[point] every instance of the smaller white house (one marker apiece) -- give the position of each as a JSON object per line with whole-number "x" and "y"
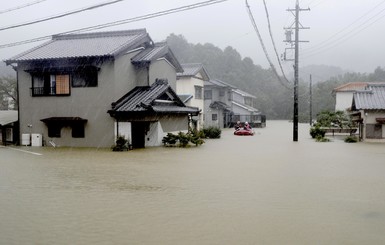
{"x": 190, "y": 88}
{"x": 344, "y": 94}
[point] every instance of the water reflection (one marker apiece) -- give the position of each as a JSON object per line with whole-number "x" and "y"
{"x": 263, "y": 189}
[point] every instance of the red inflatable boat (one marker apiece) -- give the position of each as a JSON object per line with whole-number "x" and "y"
{"x": 243, "y": 132}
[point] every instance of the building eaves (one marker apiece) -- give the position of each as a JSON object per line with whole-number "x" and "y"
{"x": 244, "y": 94}
{"x": 351, "y": 87}
{"x": 7, "y": 117}
{"x": 157, "y": 98}
{"x": 156, "y": 52}
{"x": 99, "y": 44}
{"x": 246, "y": 107}
{"x": 192, "y": 70}
{"x": 219, "y": 83}
{"x": 220, "y": 105}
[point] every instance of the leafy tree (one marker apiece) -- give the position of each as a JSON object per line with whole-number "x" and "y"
{"x": 8, "y": 91}
{"x": 378, "y": 75}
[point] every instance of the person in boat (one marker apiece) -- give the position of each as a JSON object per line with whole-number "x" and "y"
{"x": 247, "y": 126}
{"x": 238, "y": 126}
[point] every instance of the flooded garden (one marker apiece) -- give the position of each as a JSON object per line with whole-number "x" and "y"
{"x": 261, "y": 189}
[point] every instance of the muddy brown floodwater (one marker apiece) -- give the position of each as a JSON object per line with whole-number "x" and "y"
{"x": 264, "y": 189}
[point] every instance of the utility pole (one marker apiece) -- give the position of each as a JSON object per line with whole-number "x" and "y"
{"x": 311, "y": 101}
{"x": 297, "y": 26}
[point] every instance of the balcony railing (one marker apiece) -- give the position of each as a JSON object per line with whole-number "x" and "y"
{"x": 47, "y": 91}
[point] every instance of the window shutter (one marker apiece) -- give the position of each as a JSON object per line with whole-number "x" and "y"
{"x": 62, "y": 84}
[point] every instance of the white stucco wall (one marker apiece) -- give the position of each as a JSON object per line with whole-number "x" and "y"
{"x": 343, "y": 100}
{"x": 186, "y": 86}
{"x": 162, "y": 69}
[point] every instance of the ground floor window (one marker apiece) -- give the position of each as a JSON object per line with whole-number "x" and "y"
{"x": 214, "y": 117}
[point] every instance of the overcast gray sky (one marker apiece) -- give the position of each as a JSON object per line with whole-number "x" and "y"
{"x": 345, "y": 33}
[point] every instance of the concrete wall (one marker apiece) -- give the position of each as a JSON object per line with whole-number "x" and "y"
{"x": 161, "y": 69}
{"x": 186, "y": 86}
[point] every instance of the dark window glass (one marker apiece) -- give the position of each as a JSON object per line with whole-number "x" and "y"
{"x": 85, "y": 77}
{"x": 208, "y": 95}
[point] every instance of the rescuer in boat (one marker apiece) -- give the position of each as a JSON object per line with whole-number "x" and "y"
{"x": 247, "y": 126}
{"x": 238, "y": 126}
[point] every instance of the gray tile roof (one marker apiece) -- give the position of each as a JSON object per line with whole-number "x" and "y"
{"x": 373, "y": 98}
{"x": 192, "y": 69}
{"x": 157, "y": 98}
{"x": 99, "y": 44}
{"x": 157, "y": 51}
{"x": 219, "y": 83}
{"x": 246, "y": 107}
{"x": 220, "y": 105}
{"x": 244, "y": 94}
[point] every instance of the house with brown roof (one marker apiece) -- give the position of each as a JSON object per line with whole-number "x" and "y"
{"x": 368, "y": 107}
{"x": 344, "y": 94}
{"x": 77, "y": 89}
{"x": 190, "y": 88}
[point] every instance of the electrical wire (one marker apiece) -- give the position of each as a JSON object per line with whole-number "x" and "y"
{"x": 263, "y": 45}
{"x": 60, "y": 15}
{"x": 331, "y": 41}
{"x": 346, "y": 37}
{"x": 120, "y": 22}
{"x": 21, "y": 6}
{"x": 273, "y": 42}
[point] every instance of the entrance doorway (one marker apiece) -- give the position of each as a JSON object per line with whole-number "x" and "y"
{"x": 138, "y": 132}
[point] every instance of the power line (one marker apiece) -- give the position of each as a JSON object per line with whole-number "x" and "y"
{"x": 21, "y": 6}
{"x": 272, "y": 40}
{"x": 60, "y": 15}
{"x": 347, "y": 36}
{"x": 120, "y": 22}
{"x": 331, "y": 41}
{"x": 263, "y": 45}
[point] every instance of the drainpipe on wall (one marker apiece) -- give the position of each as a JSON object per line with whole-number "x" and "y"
{"x": 18, "y": 106}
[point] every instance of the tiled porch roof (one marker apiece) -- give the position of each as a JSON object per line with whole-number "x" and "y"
{"x": 157, "y": 98}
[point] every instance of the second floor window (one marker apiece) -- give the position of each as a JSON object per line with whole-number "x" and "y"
{"x": 208, "y": 94}
{"x": 229, "y": 95}
{"x": 59, "y": 81}
{"x": 50, "y": 84}
{"x": 198, "y": 92}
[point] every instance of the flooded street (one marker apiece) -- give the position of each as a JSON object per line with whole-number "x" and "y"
{"x": 263, "y": 189}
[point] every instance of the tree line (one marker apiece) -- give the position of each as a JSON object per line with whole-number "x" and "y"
{"x": 273, "y": 98}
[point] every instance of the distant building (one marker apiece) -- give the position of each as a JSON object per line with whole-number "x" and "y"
{"x": 190, "y": 88}
{"x": 368, "y": 110}
{"x": 225, "y": 104}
